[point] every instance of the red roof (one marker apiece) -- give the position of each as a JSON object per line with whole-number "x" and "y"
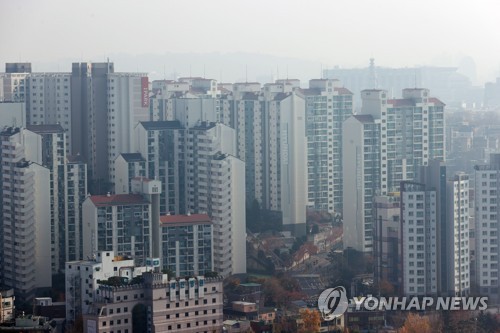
{"x": 173, "y": 219}
{"x": 118, "y": 199}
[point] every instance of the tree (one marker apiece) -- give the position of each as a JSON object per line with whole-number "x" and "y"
{"x": 169, "y": 272}
{"x": 386, "y": 288}
{"x": 311, "y": 320}
{"x": 417, "y": 324}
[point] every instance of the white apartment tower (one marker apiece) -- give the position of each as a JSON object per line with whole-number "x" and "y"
{"x": 419, "y": 240}
{"x": 68, "y": 189}
{"x": 328, "y": 105}
{"x": 487, "y": 201}
{"x": 162, "y": 144}
{"x": 25, "y": 229}
{"x": 361, "y": 180}
{"x": 457, "y": 234}
{"x": 128, "y": 104}
{"x": 48, "y": 101}
{"x": 218, "y": 189}
{"x": 411, "y": 133}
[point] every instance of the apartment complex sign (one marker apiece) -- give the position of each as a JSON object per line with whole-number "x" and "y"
{"x": 145, "y": 91}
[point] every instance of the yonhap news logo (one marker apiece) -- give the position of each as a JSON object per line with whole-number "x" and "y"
{"x": 332, "y": 303}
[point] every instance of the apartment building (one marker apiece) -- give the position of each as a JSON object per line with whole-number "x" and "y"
{"x": 187, "y": 244}
{"x": 411, "y": 132}
{"x": 68, "y": 189}
{"x": 25, "y": 227}
{"x": 361, "y": 173}
{"x": 128, "y": 104}
{"x": 328, "y": 105}
{"x": 48, "y": 101}
{"x": 121, "y": 223}
{"x": 419, "y": 240}
{"x": 487, "y": 180}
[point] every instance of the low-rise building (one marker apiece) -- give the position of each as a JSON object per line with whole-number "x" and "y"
{"x": 158, "y": 305}
{"x": 83, "y": 277}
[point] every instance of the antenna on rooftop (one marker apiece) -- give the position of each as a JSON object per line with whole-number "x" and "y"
{"x": 373, "y": 74}
{"x": 246, "y": 73}
{"x": 321, "y": 71}
{"x": 204, "y": 74}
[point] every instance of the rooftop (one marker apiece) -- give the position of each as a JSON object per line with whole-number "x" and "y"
{"x": 158, "y": 125}
{"x": 132, "y": 157}
{"x": 45, "y": 129}
{"x": 364, "y": 118}
{"x": 118, "y": 199}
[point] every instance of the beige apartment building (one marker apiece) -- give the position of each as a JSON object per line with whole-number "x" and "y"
{"x": 158, "y": 305}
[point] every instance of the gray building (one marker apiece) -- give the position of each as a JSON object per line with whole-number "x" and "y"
{"x": 89, "y": 118}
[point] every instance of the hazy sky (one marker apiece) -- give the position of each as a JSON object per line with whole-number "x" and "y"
{"x": 333, "y": 32}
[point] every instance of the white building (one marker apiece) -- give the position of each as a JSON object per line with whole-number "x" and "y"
{"x": 68, "y": 189}
{"x": 48, "y": 101}
{"x": 25, "y": 225}
{"x": 328, "y": 105}
{"x": 128, "y": 104}
{"x": 361, "y": 180}
{"x": 83, "y": 276}
{"x": 411, "y": 132}
{"x": 487, "y": 200}
{"x": 128, "y": 166}
{"x": 216, "y": 186}
{"x": 457, "y": 233}
{"x": 419, "y": 239}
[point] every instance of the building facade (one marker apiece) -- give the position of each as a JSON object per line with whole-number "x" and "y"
{"x": 160, "y": 304}
{"x": 187, "y": 244}
{"x": 328, "y": 105}
{"x": 84, "y": 276}
{"x": 487, "y": 180}
{"x": 419, "y": 239}
{"x": 25, "y": 227}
